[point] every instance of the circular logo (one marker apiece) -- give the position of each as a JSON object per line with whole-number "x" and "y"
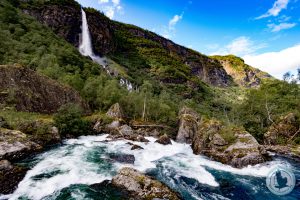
{"x": 281, "y": 181}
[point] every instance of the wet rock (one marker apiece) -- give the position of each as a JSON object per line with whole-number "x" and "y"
{"x": 106, "y": 190}
{"x": 134, "y": 147}
{"x": 164, "y": 139}
{"x": 10, "y": 176}
{"x": 15, "y": 145}
{"x": 122, "y": 158}
{"x": 141, "y": 186}
{"x": 240, "y": 148}
{"x": 125, "y": 130}
{"x": 115, "y": 111}
{"x": 188, "y": 125}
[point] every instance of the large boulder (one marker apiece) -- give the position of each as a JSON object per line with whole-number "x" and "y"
{"x": 10, "y": 176}
{"x": 188, "y": 125}
{"x": 164, "y": 139}
{"x": 141, "y": 186}
{"x": 125, "y": 130}
{"x": 15, "y": 145}
{"x": 122, "y": 158}
{"x": 285, "y": 130}
{"x": 115, "y": 111}
{"x": 229, "y": 145}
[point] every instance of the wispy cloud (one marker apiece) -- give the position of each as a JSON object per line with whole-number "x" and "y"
{"x": 278, "y": 6}
{"x": 240, "y": 46}
{"x": 276, "y": 63}
{"x": 169, "y": 31}
{"x": 110, "y": 7}
{"x": 281, "y": 26}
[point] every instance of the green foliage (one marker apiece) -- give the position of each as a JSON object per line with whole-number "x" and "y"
{"x": 267, "y": 104}
{"x": 69, "y": 121}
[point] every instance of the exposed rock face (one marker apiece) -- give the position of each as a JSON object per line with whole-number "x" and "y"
{"x": 125, "y": 130}
{"x": 65, "y": 21}
{"x": 115, "y": 111}
{"x": 286, "y": 129}
{"x": 32, "y": 92}
{"x": 10, "y": 176}
{"x": 15, "y": 145}
{"x": 228, "y": 145}
{"x": 188, "y": 125}
{"x": 164, "y": 139}
{"x": 141, "y": 186}
{"x": 243, "y": 74}
{"x": 240, "y": 150}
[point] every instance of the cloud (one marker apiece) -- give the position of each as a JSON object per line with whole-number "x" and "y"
{"x": 174, "y": 21}
{"x": 281, "y": 26}
{"x": 169, "y": 31}
{"x": 276, "y": 63}
{"x": 240, "y": 46}
{"x": 278, "y": 6}
{"x": 110, "y": 7}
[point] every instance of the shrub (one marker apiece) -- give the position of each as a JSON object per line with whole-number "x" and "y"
{"x": 69, "y": 121}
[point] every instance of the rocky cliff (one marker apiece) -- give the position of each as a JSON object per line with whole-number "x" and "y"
{"x": 26, "y": 90}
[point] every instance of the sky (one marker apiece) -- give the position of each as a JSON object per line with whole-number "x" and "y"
{"x": 265, "y": 33}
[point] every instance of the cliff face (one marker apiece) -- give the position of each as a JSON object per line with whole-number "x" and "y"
{"x": 243, "y": 74}
{"x": 28, "y": 91}
{"x": 65, "y": 20}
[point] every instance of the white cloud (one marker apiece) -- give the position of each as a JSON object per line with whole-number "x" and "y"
{"x": 169, "y": 31}
{"x": 276, "y": 63}
{"x": 174, "y": 21}
{"x": 110, "y": 7}
{"x": 278, "y": 6}
{"x": 281, "y": 26}
{"x": 240, "y": 46}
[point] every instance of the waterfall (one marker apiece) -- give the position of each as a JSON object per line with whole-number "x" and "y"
{"x": 85, "y": 47}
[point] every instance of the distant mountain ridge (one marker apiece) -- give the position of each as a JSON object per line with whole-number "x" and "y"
{"x": 141, "y": 52}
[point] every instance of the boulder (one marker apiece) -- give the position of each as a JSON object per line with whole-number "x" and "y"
{"x": 164, "y": 139}
{"x": 115, "y": 112}
{"x": 286, "y": 129}
{"x": 229, "y": 145}
{"x": 188, "y": 125}
{"x": 134, "y": 147}
{"x": 125, "y": 130}
{"x": 15, "y": 145}
{"x": 141, "y": 186}
{"x": 122, "y": 158}
{"x": 10, "y": 176}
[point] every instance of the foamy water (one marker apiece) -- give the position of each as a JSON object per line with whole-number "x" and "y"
{"x": 83, "y": 161}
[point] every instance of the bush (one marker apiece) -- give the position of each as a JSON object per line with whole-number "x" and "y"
{"x": 69, "y": 121}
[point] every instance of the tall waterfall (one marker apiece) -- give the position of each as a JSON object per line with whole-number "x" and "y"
{"x": 85, "y": 47}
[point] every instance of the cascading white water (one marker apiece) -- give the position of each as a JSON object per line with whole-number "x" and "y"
{"x": 85, "y": 47}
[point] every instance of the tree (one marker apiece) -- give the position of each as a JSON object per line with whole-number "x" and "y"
{"x": 68, "y": 121}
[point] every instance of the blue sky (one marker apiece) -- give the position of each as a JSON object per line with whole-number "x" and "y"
{"x": 266, "y": 33}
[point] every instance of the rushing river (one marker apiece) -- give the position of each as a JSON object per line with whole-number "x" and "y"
{"x": 66, "y": 172}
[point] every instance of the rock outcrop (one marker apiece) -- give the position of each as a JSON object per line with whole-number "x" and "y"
{"x": 29, "y": 91}
{"x": 243, "y": 74}
{"x": 188, "y": 125}
{"x": 287, "y": 129}
{"x": 10, "y": 176}
{"x": 229, "y": 145}
{"x": 115, "y": 111}
{"x": 15, "y": 145}
{"x": 141, "y": 186}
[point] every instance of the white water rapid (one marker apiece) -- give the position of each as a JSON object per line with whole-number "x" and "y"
{"x": 84, "y": 161}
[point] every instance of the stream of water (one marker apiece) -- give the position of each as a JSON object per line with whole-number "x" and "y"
{"x": 67, "y": 171}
